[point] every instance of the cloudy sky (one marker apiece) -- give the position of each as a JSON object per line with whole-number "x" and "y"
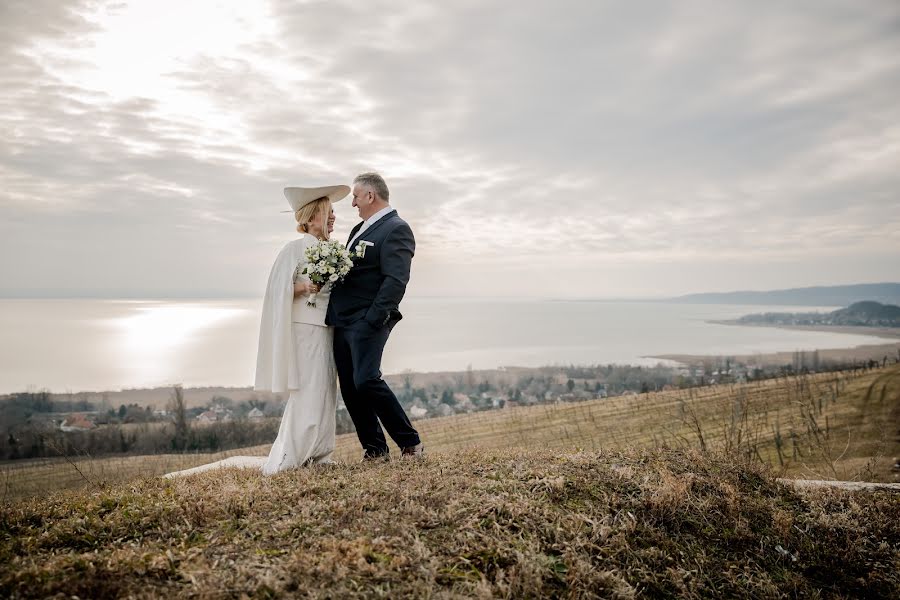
{"x": 575, "y": 149}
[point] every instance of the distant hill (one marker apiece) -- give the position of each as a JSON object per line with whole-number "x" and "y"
{"x": 837, "y": 295}
{"x": 859, "y": 314}
{"x": 868, "y": 313}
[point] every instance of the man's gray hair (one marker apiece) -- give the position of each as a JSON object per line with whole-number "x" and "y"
{"x": 374, "y": 182}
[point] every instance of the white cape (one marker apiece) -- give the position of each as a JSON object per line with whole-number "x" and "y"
{"x": 275, "y": 355}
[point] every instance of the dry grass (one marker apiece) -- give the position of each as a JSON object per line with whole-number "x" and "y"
{"x": 25, "y": 478}
{"x": 515, "y": 524}
{"x": 830, "y": 425}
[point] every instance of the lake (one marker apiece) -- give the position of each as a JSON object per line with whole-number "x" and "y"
{"x": 93, "y": 345}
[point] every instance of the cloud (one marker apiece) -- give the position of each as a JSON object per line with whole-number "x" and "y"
{"x": 516, "y": 137}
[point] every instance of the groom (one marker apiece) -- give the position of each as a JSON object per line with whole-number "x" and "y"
{"x": 363, "y": 310}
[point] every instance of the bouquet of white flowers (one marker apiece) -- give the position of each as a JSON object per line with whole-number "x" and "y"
{"x": 327, "y": 262}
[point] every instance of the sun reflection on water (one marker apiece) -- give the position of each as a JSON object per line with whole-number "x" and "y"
{"x": 152, "y": 341}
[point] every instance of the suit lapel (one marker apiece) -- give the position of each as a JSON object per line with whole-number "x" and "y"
{"x": 353, "y": 232}
{"x": 378, "y": 224}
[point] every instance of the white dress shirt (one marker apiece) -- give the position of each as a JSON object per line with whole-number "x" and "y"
{"x": 369, "y": 222}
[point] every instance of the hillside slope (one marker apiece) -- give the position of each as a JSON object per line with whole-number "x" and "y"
{"x": 828, "y": 425}
{"x": 502, "y": 523}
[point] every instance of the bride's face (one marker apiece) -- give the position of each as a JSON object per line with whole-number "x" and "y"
{"x": 317, "y": 228}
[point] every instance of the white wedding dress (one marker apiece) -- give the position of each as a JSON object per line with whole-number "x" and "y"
{"x": 296, "y": 355}
{"x": 307, "y": 427}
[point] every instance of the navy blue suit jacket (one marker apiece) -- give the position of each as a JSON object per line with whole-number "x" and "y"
{"x": 373, "y": 288}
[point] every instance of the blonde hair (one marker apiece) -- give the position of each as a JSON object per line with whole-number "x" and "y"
{"x": 309, "y": 211}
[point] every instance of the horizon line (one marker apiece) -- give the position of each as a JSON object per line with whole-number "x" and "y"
{"x": 35, "y": 295}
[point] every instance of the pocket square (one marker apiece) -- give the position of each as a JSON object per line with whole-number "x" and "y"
{"x": 360, "y": 249}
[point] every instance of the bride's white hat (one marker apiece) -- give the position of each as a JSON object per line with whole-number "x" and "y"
{"x": 298, "y": 197}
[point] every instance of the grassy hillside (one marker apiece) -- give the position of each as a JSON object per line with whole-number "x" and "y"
{"x": 511, "y": 523}
{"x": 832, "y": 425}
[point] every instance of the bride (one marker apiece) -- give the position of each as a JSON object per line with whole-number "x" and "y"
{"x": 295, "y": 347}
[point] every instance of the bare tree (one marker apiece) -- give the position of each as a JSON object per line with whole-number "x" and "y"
{"x": 176, "y": 405}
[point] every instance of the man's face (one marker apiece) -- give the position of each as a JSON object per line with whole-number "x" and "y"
{"x": 363, "y": 199}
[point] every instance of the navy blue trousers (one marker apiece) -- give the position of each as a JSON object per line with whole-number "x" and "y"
{"x": 358, "y": 349}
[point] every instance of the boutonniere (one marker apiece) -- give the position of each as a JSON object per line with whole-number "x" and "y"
{"x": 360, "y": 250}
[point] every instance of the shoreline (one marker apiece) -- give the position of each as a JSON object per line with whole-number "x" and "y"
{"x": 882, "y": 332}
{"x": 861, "y": 353}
